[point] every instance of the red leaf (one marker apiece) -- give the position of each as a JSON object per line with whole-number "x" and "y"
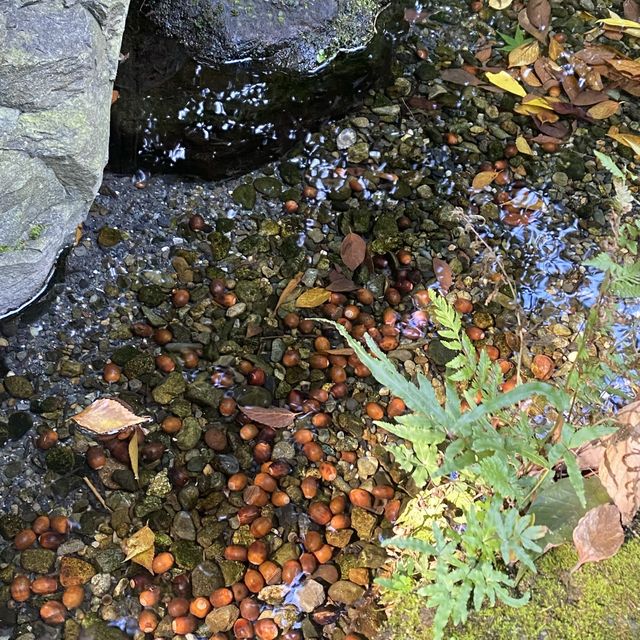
{"x": 353, "y": 251}
{"x": 271, "y": 416}
{"x": 444, "y": 274}
{"x": 341, "y": 284}
{"x": 598, "y": 535}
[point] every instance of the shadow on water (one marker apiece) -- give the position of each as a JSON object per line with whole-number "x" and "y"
{"x": 174, "y": 114}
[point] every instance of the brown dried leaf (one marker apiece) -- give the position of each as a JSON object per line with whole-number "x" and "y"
{"x": 589, "y": 97}
{"x": 598, "y": 535}
{"x": 140, "y": 548}
{"x": 529, "y": 77}
{"x": 590, "y": 455}
{"x": 460, "y": 76}
{"x": 619, "y": 470}
{"x": 342, "y": 284}
{"x": 555, "y": 49}
{"x": 353, "y": 250}
{"x": 539, "y": 14}
{"x": 595, "y": 54}
{"x": 627, "y": 67}
{"x": 484, "y": 53}
{"x": 529, "y": 27}
{"x": 444, "y": 274}
{"x": 133, "y": 455}
{"x": 524, "y": 55}
{"x": 631, "y": 10}
{"x": 107, "y": 416}
{"x": 627, "y": 139}
{"x": 571, "y": 86}
{"x": 542, "y": 138}
{"x": 346, "y": 351}
{"x": 604, "y": 110}
{"x": 313, "y": 298}
{"x": 271, "y": 416}
{"x": 289, "y": 289}
{"x": 483, "y": 179}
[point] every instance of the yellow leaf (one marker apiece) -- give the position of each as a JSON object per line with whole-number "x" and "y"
{"x": 523, "y": 146}
{"x": 140, "y": 548}
{"x": 483, "y": 179}
{"x": 627, "y": 140}
{"x": 133, "y": 454}
{"x": 524, "y": 55}
{"x": 544, "y": 115}
{"x": 313, "y": 298}
{"x": 623, "y": 23}
{"x": 604, "y": 110}
{"x": 107, "y": 416}
{"x": 543, "y": 103}
{"x": 503, "y": 80}
{"x": 555, "y": 49}
{"x": 500, "y": 4}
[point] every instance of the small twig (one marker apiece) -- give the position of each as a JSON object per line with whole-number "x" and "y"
{"x": 96, "y": 493}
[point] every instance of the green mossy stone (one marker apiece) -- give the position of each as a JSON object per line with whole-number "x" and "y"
{"x": 151, "y": 295}
{"x": 124, "y": 354}
{"x": 290, "y": 173}
{"x": 252, "y": 245}
{"x": 38, "y": 560}
{"x": 109, "y": 237}
{"x": 232, "y": 572}
{"x": 18, "y": 387}
{"x": 269, "y": 187}
{"x": 204, "y": 395}
{"x": 245, "y": 196}
{"x": 173, "y": 385}
{"x": 189, "y": 435}
{"x": 187, "y": 554}
{"x": 10, "y": 525}
{"x": 60, "y": 459}
{"x": 19, "y": 423}
{"x": 220, "y": 245}
{"x": 108, "y": 560}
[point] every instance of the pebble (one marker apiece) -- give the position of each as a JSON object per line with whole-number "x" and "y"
{"x": 309, "y": 596}
{"x": 345, "y": 592}
{"x": 236, "y": 310}
{"x": 346, "y": 138}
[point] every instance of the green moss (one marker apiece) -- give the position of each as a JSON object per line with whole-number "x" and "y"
{"x": 36, "y": 231}
{"x": 598, "y": 602}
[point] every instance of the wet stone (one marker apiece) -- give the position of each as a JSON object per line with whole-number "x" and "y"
{"x": 37, "y": 560}
{"x": 173, "y": 386}
{"x": 151, "y": 295}
{"x": 345, "y": 592}
{"x": 189, "y": 436}
{"x": 254, "y": 396}
{"x": 74, "y": 571}
{"x": 363, "y": 522}
{"x": 187, "y": 555}
{"x": 125, "y": 479}
{"x": 339, "y": 538}
{"x": 60, "y": 459}
{"x": 206, "y": 395}
{"x": 222, "y": 619}
{"x": 269, "y": 187}
{"x": 183, "y": 527}
{"x": 220, "y": 245}
{"x": 10, "y": 525}
{"x": 232, "y": 571}
{"x": 18, "y": 387}
{"x": 19, "y": 423}
{"x": 147, "y": 506}
{"x": 160, "y": 485}
{"x": 346, "y": 138}
{"x": 283, "y": 450}
{"x": 440, "y": 354}
{"x": 108, "y": 560}
{"x": 205, "y": 578}
{"x": 139, "y": 365}
{"x": 309, "y": 596}
{"x": 245, "y": 196}
{"x": 109, "y": 237}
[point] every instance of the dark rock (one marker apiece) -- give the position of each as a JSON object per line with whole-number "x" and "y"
{"x": 60, "y": 459}
{"x": 19, "y": 423}
{"x": 109, "y": 237}
{"x": 37, "y": 560}
{"x": 245, "y": 196}
{"x": 151, "y": 295}
{"x": 439, "y": 353}
{"x": 18, "y": 387}
{"x": 139, "y": 365}
{"x": 205, "y": 578}
{"x": 188, "y": 554}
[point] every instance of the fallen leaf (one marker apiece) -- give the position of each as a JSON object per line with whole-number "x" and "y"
{"x": 346, "y": 351}
{"x": 115, "y": 94}
{"x": 460, "y": 76}
{"x": 339, "y": 282}
{"x": 313, "y": 298}
{"x": 558, "y": 508}
{"x": 589, "y": 97}
{"x": 411, "y": 15}
{"x": 604, "y": 110}
{"x": 529, "y": 76}
{"x": 555, "y": 49}
{"x": 529, "y": 27}
{"x": 544, "y": 115}
{"x": 353, "y": 250}
{"x": 140, "y": 548}
{"x": 631, "y": 10}
{"x": 595, "y": 54}
{"x": 500, "y": 4}
{"x": 483, "y": 179}
{"x": 628, "y": 67}
{"x": 619, "y": 470}
{"x": 523, "y": 146}
{"x": 107, "y": 416}
{"x": 503, "y": 80}
{"x": 539, "y": 14}
{"x": 598, "y": 535}
{"x": 623, "y": 23}
{"x": 627, "y": 140}
{"x": 484, "y": 53}
{"x": 542, "y": 138}
{"x": 289, "y": 289}
{"x": 524, "y": 55}
{"x": 590, "y": 455}
{"x": 271, "y": 416}
{"x": 133, "y": 455}
{"x": 537, "y": 101}
{"x": 444, "y": 274}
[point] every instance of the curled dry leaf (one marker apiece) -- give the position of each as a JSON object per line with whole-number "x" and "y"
{"x": 619, "y": 470}
{"x": 353, "y": 250}
{"x": 108, "y": 416}
{"x": 530, "y": 28}
{"x": 500, "y": 4}
{"x": 313, "y": 298}
{"x": 483, "y": 179}
{"x": 523, "y": 146}
{"x": 627, "y": 139}
{"x": 289, "y": 289}
{"x": 140, "y": 548}
{"x": 271, "y": 416}
{"x": 444, "y": 274}
{"x": 524, "y": 55}
{"x": 598, "y": 535}
{"x": 604, "y": 110}
{"x": 555, "y": 49}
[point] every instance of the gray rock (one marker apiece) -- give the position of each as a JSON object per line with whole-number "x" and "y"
{"x": 57, "y": 65}
{"x": 295, "y": 35}
{"x": 345, "y": 592}
{"x": 222, "y": 619}
{"x": 183, "y": 526}
{"x": 205, "y": 578}
{"x": 309, "y": 596}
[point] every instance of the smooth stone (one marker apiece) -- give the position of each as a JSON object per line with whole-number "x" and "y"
{"x": 345, "y": 592}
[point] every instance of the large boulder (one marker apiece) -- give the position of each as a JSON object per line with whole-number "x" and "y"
{"x": 297, "y": 35}
{"x": 58, "y": 60}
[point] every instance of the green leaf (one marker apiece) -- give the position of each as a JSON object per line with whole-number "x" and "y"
{"x": 608, "y": 163}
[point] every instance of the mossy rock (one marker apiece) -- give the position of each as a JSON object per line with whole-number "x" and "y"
{"x": 18, "y": 387}
{"x": 187, "y": 554}
{"x": 245, "y": 196}
{"x": 151, "y": 295}
{"x": 597, "y": 602}
{"x": 37, "y": 560}
{"x": 60, "y": 459}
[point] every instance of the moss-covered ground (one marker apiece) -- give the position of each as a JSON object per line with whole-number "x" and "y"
{"x": 598, "y": 602}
